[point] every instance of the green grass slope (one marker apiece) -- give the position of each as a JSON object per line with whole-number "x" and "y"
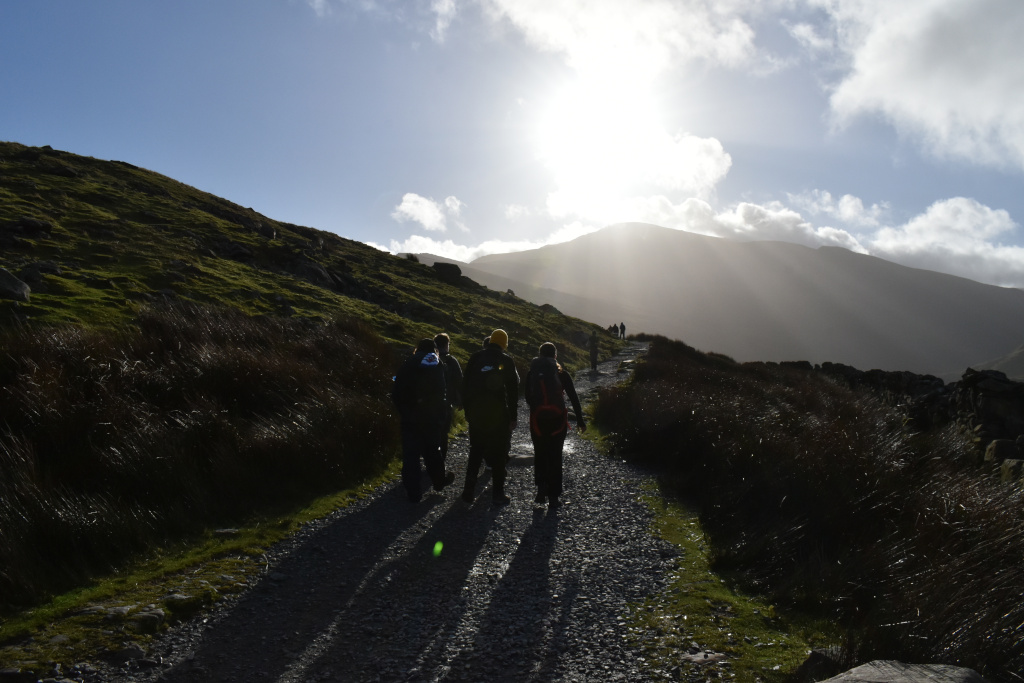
{"x": 97, "y": 240}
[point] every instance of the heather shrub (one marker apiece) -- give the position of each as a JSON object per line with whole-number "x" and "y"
{"x": 111, "y": 442}
{"x": 817, "y": 495}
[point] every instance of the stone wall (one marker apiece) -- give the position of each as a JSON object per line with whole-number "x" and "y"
{"x": 985, "y": 403}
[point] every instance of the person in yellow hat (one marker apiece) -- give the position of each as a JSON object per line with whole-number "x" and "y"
{"x": 490, "y": 396}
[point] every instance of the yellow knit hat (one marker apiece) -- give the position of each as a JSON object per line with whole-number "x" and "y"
{"x": 500, "y": 337}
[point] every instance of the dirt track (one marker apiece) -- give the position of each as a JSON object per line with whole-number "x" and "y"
{"x": 517, "y": 592}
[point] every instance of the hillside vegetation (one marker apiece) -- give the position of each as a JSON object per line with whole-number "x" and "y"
{"x": 182, "y": 362}
{"x": 818, "y": 496}
{"x": 97, "y": 240}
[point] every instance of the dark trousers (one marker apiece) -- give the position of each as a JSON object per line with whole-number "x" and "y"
{"x": 421, "y": 442}
{"x": 547, "y": 463}
{"x": 491, "y": 446}
{"x": 593, "y": 360}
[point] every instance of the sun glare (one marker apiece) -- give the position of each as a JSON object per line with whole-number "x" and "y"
{"x": 599, "y": 137}
{"x": 606, "y": 143}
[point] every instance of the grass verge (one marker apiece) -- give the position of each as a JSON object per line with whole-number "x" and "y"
{"x": 703, "y": 625}
{"x": 703, "y": 612}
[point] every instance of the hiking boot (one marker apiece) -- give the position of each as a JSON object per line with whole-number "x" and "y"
{"x": 449, "y": 477}
{"x": 539, "y": 498}
{"x": 554, "y": 503}
{"x": 501, "y": 499}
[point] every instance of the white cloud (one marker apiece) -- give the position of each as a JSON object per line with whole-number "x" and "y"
{"x": 958, "y": 236}
{"x": 515, "y": 212}
{"x": 321, "y": 7}
{"x": 640, "y": 36}
{"x": 808, "y": 37}
{"x": 422, "y": 244}
{"x": 444, "y": 12}
{"x": 430, "y": 214}
{"x": 948, "y": 73}
{"x": 848, "y": 209}
{"x": 745, "y": 221}
{"x": 453, "y": 205}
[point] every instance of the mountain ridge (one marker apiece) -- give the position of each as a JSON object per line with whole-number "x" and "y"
{"x": 773, "y": 301}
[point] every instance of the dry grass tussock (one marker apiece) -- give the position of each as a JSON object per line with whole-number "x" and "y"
{"x": 111, "y": 442}
{"x": 817, "y": 495}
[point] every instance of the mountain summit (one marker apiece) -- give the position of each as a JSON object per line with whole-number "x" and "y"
{"x": 770, "y": 301}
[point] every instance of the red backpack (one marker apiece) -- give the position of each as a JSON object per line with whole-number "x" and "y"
{"x": 548, "y": 414}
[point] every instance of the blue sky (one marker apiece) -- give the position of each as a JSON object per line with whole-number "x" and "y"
{"x": 465, "y": 127}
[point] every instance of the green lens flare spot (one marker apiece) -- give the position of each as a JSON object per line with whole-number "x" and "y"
{"x": 437, "y": 548}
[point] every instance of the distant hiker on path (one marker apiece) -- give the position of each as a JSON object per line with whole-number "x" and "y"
{"x": 622, "y": 330}
{"x": 547, "y": 384}
{"x": 595, "y": 346}
{"x": 490, "y": 393}
{"x": 452, "y": 380}
{"x": 420, "y": 396}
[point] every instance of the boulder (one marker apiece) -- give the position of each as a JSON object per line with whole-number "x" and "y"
{"x": 128, "y": 652}
{"x": 311, "y": 271}
{"x": 148, "y": 621}
{"x": 580, "y": 338}
{"x": 887, "y": 671}
{"x": 33, "y": 226}
{"x": 13, "y": 288}
{"x": 820, "y": 664}
{"x": 1011, "y": 470}
{"x": 448, "y": 273}
{"x": 999, "y": 450}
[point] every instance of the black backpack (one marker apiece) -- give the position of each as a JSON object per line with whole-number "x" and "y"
{"x": 548, "y": 414}
{"x": 485, "y": 379}
{"x": 420, "y": 389}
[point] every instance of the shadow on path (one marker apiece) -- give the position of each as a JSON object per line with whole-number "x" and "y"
{"x": 525, "y": 649}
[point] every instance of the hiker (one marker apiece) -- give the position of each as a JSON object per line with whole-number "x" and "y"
{"x": 622, "y": 330}
{"x": 453, "y": 383}
{"x": 419, "y": 394}
{"x": 595, "y": 345}
{"x": 547, "y": 385}
{"x": 490, "y": 394}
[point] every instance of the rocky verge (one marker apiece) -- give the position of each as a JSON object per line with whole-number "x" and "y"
{"x": 985, "y": 403}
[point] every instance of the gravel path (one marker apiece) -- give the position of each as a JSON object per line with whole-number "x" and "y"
{"x": 518, "y": 592}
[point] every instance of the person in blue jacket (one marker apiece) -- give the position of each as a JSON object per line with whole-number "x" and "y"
{"x": 419, "y": 393}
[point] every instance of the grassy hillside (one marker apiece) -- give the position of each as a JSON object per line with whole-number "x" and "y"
{"x": 819, "y": 496}
{"x": 97, "y": 240}
{"x": 183, "y": 363}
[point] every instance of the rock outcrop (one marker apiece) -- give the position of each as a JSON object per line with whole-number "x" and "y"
{"x": 885, "y": 671}
{"x": 985, "y": 403}
{"x": 13, "y": 288}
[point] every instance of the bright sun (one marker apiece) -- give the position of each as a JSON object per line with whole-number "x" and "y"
{"x": 605, "y": 143}
{"x": 597, "y": 136}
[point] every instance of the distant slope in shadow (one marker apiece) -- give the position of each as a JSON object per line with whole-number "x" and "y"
{"x": 767, "y": 300}
{"x": 1012, "y": 364}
